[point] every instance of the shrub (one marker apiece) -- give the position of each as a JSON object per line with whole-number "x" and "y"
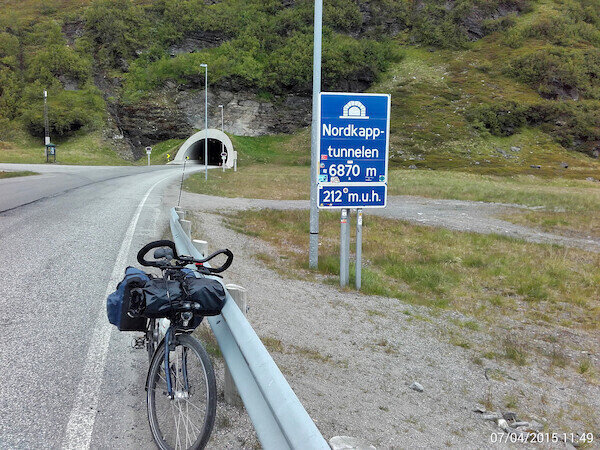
{"x": 573, "y": 125}
{"x": 503, "y": 119}
{"x": 553, "y": 69}
{"x": 117, "y": 28}
{"x": 68, "y": 110}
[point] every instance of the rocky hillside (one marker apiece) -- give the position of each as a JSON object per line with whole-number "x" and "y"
{"x": 470, "y": 79}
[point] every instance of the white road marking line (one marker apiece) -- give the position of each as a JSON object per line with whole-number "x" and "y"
{"x": 83, "y": 415}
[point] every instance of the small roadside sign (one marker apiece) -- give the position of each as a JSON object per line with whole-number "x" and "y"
{"x": 359, "y": 195}
{"x": 353, "y": 150}
{"x": 148, "y": 150}
{"x": 223, "y": 155}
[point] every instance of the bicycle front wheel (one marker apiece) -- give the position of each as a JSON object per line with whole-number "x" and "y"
{"x": 186, "y": 420}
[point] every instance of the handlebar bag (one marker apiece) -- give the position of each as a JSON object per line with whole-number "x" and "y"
{"x": 208, "y": 293}
{"x": 119, "y": 302}
{"x": 158, "y": 294}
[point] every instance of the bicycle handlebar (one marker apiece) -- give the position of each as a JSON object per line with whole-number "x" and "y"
{"x": 155, "y": 244}
{"x": 184, "y": 259}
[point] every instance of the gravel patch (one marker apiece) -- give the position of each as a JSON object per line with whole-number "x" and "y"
{"x": 459, "y": 215}
{"x": 352, "y": 359}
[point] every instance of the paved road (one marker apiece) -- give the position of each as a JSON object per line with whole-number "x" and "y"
{"x": 68, "y": 378}
{"x": 55, "y": 180}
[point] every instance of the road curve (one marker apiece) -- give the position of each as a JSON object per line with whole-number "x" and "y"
{"x": 63, "y": 365}
{"x": 55, "y": 180}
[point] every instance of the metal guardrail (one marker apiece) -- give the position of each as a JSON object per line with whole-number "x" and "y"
{"x": 280, "y": 420}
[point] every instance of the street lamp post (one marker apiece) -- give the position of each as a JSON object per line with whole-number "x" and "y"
{"x": 205, "y": 120}
{"x": 222, "y": 145}
{"x": 46, "y": 123}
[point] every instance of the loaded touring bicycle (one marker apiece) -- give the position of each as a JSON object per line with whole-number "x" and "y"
{"x": 180, "y": 385}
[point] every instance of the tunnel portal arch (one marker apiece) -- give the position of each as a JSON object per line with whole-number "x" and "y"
{"x": 217, "y": 142}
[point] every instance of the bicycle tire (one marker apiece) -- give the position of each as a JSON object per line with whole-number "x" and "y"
{"x": 168, "y": 429}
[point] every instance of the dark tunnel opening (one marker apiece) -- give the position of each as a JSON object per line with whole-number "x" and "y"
{"x": 215, "y": 147}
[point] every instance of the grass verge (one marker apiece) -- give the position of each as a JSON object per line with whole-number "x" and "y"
{"x": 255, "y": 181}
{"x": 82, "y": 149}
{"x": 482, "y": 276}
{"x": 16, "y": 174}
{"x": 584, "y": 223}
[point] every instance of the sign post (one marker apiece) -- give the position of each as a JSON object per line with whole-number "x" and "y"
{"x": 358, "y": 268}
{"x": 313, "y": 246}
{"x": 344, "y": 247}
{"x": 223, "y": 158}
{"x": 353, "y": 160}
{"x": 148, "y": 152}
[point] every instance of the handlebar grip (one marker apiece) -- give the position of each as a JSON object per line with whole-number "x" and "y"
{"x": 156, "y": 244}
{"x": 225, "y": 265}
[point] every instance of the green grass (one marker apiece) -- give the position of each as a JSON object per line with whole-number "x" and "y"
{"x": 255, "y": 181}
{"x": 160, "y": 152}
{"x": 16, "y": 174}
{"x": 274, "y": 167}
{"x": 550, "y": 193}
{"x": 82, "y": 149}
{"x": 445, "y": 269}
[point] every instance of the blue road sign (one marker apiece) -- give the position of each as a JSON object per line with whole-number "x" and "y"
{"x": 357, "y": 195}
{"x": 354, "y": 142}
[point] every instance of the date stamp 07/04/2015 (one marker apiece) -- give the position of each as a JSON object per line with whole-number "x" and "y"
{"x": 541, "y": 438}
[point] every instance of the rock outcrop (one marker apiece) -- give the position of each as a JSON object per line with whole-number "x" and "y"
{"x": 176, "y": 114}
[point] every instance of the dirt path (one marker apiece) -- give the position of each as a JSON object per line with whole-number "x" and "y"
{"x": 478, "y": 217}
{"x": 351, "y": 358}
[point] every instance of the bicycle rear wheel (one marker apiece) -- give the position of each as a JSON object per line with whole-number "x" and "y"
{"x": 186, "y": 421}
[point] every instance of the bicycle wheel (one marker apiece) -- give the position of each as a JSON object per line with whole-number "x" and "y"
{"x": 185, "y": 421}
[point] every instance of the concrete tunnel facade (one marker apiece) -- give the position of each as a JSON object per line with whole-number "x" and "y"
{"x": 217, "y": 142}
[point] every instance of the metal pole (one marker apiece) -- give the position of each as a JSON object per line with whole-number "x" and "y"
{"x": 46, "y": 122}
{"x": 313, "y": 249}
{"x": 344, "y": 246}
{"x": 205, "y": 120}
{"x": 222, "y": 145}
{"x": 181, "y": 186}
{"x": 148, "y": 158}
{"x": 347, "y": 240}
{"x": 359, "y": 223}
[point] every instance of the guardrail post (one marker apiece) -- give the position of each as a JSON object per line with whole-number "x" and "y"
{"x": 201, "y": 246}
{"x": 180, "y": 212}
{"x": 186, "y": 226}
{"x": 232, "y": 396}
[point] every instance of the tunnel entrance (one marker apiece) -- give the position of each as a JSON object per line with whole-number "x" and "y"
{"x": 215, "y": 147}
{"x": 192, "y": 149}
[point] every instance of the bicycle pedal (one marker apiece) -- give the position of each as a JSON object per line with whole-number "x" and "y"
{"x": 138, "y": 343}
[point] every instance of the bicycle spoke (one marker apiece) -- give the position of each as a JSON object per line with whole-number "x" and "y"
{"x": 192, "y": 408}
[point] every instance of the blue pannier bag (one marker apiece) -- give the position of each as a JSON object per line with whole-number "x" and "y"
{"x": 119, "y": 302}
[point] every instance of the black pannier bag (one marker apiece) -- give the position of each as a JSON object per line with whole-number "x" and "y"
{"x": 207, "y": 292}
{"x": 119, "y": 302}
{"x": 158, "y": 294}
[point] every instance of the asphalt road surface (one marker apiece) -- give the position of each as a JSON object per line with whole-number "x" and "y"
{"x": 69, "y": 378}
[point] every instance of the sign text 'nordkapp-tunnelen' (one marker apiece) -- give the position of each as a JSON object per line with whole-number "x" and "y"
{"x": 353, "y": 150}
